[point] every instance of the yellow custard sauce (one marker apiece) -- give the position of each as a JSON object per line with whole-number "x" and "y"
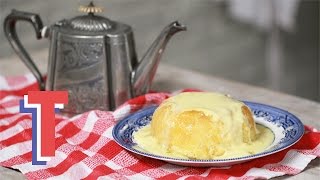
{"x": 203, "y": 125}
{"x": 149, "y": 144}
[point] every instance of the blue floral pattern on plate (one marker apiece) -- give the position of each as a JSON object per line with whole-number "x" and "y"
{"x": 286, "y": 127}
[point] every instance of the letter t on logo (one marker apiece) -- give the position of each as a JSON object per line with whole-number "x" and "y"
{"x": 47, "y": 100}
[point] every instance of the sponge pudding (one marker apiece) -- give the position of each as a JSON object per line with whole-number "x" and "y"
{"x": 203, "y": 125}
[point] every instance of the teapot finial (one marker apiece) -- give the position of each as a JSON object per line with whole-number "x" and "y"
{"x": 90, "y": 8}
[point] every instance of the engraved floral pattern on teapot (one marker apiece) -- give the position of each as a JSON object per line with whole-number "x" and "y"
{"x": 79, "y": 54}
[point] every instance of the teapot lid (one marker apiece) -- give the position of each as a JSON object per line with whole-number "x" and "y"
{"x": 90, "y": 24}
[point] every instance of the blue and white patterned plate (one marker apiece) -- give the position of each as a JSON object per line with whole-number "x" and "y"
{"x": 286, "y": 127}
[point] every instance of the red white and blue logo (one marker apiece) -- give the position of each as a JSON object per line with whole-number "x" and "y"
{"x": 42, "y": 105}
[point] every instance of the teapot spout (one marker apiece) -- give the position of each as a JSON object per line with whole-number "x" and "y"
{"x": 143, "y": 73}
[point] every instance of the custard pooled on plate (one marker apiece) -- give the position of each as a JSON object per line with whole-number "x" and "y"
{"x": 202, "y": 125}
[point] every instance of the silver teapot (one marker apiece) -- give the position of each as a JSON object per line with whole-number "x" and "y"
{"x": 92, "y": 57}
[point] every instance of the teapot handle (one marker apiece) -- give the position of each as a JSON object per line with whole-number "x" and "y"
{"x": 11, "y": 34}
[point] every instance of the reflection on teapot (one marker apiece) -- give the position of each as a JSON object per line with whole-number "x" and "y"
{"x": 92, "y": 57}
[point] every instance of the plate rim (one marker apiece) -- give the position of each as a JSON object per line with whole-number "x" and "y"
{"x": 212, "y": 161}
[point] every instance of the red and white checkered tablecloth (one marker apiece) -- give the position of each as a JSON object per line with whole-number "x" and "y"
{"x": 85, "y": 148}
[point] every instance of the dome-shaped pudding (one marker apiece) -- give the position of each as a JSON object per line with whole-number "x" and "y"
{"x": 202, "y": 125}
